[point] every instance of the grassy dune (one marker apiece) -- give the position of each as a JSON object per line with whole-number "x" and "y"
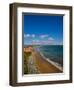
{"x": 26, "y": 57}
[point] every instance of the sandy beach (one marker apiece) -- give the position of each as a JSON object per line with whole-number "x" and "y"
{"x": 43, "y": 65}
{"x": 37, "y": 64}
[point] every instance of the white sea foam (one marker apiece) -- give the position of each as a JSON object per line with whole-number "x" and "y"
{"x": 53, "y": 63}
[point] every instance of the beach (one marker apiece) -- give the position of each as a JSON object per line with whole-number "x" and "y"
{"x": 38, "y": 64}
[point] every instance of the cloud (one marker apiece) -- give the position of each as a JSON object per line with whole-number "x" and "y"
{"x": 43, "y": 36}
{"x": 42, "y": 42}
{"x": 50, "y": 38}
{"x": 45, "y": 42}
{"x": 36, "y": 42}
{"x": 27, "y": 35}
{"x": 33, "y": 35}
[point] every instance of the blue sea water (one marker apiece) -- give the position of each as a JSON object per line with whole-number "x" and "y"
{"x": 52, "y": 52}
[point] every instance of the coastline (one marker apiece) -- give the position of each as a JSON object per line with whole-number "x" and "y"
{"x": 49, "y": 60}
{"x": 44, "y": 65}
{"x": 52, "y": 62}
{"x": 41, "y": 64}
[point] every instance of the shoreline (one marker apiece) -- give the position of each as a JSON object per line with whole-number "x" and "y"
{"x": 43, "y": 64}
{"x": 49, "y": 60}
{"x": 52, "y": 62}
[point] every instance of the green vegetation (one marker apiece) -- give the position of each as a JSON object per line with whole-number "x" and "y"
{"x": 26, "y": 58}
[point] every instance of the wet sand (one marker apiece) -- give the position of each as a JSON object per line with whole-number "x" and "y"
{"x": 42, "y": 65}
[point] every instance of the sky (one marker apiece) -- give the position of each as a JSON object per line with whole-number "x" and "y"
{"x": 43, "y": 29}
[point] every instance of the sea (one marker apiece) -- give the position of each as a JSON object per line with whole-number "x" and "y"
{"x": 52, "y": 52}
